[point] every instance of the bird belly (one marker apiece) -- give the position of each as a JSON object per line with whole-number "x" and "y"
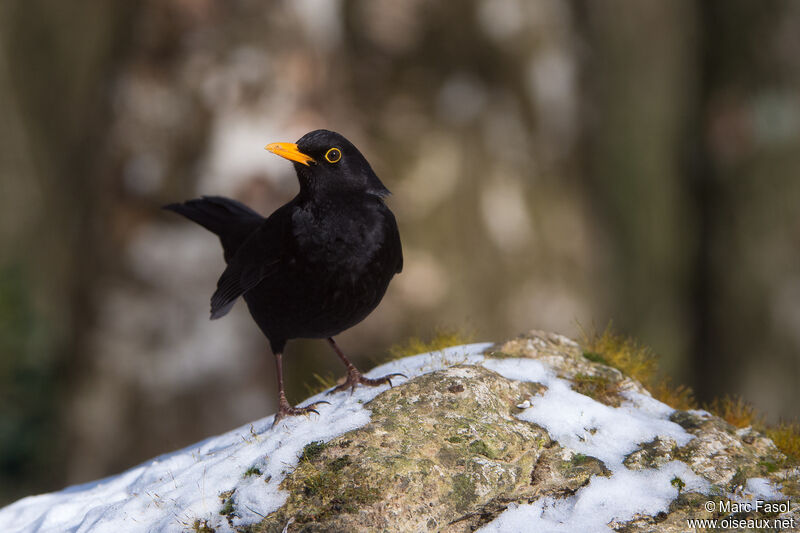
{"x": 316, "y": 303}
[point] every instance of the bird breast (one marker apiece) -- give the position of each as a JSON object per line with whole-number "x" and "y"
{"x": 340, "y": 241}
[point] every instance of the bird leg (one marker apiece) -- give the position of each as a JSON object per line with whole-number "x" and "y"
{"x": 355, "y": 377}
{"x": 284, "y": 408}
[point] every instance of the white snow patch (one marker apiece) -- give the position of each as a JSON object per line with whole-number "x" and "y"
{"x": 757, "y": 488}
{"x": 586, "y": 426}
{"x": 618, "y": 498}
{"x": 172, "y": 491}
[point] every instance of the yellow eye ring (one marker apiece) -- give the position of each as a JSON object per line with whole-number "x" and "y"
{"x": 333, "y": 155}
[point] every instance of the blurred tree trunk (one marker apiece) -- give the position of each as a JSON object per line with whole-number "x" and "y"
{"x": 56, "y": 59}
{"x": 691, "y": 138}
{"x": 639, "y": 81}
{"x": 744, "y": 179}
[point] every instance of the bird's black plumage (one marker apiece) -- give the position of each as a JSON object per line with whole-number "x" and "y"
{"x": 319, "y": 264}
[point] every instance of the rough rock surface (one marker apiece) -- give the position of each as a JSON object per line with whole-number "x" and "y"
{"x": 448, "y": 451}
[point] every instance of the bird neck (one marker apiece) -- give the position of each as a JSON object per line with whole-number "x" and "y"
{"x": 315, "y": 185}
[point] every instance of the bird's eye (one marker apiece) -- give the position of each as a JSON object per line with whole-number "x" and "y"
{"x": 333, "y": 155}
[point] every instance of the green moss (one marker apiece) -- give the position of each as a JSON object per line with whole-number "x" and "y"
{"x": 595, "y": 357}
{"x": 339, "y": 463}
{"x": 768, "y": 466}
{"x": 679, "y": 397}
{"x": 333, "y": 491}
{"x": 454, "y": 438}
{"x": 443, "y": 338}
{"x": 534, "y": 388}
{"x": 326, "y": 485}
{"x": 786, "y": 437}
{"x": 252, "y": 471}
{"x": 790, "y": 486}
{"x": 581, "y": 468}
{"x": 738, "y": 479}
{"x": 227, "y": 503}
{"x": 481, "y": 448}
{"x": 686, "y": 420}
{"x": 598, "y": 388}
{"x": 624, "y": 353}
{"x": 734, "y": 410}
{"x": 688, "y": 501}
{"x": 201, "y": 526}
{"x": 311, "y": 451}
{"x": 315, "y": 484}
{"x": 637, "y": 361}
{"x": 463, "y": 493}
{"x": 678, "y": 483}
{"x": 683, "y": 454}
{"x": 579, "y": 459}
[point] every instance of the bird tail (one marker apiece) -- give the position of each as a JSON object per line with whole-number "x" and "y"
{"x": 230, "y": 220}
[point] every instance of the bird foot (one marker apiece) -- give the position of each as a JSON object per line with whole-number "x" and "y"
{"x": 284, "y": 409}
{"x": 354, "y": 377}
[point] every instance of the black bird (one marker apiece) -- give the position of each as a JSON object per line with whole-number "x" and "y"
{"x": 317, "y": 265}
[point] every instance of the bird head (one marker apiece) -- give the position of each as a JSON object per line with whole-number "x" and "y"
{"x": 325, "y": 162}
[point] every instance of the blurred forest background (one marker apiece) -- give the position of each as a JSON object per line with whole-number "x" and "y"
{"x": 552, "y": 163}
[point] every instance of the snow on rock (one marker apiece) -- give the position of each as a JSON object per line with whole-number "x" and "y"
{"x": 488, "y": 437}
{"x": 586, "y": 425}
{"x": 608, "y": 433}
{"x": 172, "y": 491}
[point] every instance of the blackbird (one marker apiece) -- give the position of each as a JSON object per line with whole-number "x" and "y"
{"x": 317, "y": 265}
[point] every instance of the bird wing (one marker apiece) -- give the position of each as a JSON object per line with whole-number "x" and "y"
{"x": 256, "y": 259}
{"x": 393, "y": 239}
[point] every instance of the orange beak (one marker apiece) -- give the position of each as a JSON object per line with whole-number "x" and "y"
{"x": 290, "y": 152}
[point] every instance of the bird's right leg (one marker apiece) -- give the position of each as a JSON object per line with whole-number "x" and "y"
{"x": 355, "y": 377}
{"x": 284, "y": 408}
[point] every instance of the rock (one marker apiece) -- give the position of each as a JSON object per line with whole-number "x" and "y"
{"x": 451, "y": 451}
{"x": 529, "y": 435}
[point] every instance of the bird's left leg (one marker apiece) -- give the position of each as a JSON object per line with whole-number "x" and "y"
{"x": 354, "y": 377}
{"x": 284, "y": 407}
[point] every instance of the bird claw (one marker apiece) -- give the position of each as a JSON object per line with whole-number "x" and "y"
{"x": 396, "y": 374}
{"x": 284, "y": 410}
{"x": 355, "y": 377}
